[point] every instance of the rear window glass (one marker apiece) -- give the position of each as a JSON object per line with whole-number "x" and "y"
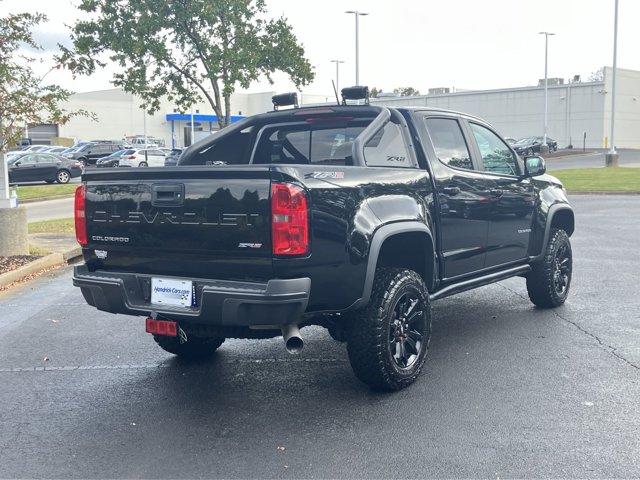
{"x": 307, "y": 144}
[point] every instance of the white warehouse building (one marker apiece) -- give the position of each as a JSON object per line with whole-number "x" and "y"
{"x": 117, "y": 115}
{"x": 575, "y": 109}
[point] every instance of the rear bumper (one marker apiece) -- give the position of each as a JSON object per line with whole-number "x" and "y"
{"x": 218, "y": 302}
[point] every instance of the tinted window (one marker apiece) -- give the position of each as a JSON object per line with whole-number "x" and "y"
{"x": 448, "y": 142}
{"x": 387, "y": 148}
{"x": 496, "y": 155}
{"x": 101, "y": 150}
{"x": 304, "y": 144}
{"x": 29, "y": 159}
{"x": 43, "y": 158}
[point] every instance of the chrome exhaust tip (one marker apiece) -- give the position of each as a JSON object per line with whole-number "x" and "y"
{"x": 292, "y": 339}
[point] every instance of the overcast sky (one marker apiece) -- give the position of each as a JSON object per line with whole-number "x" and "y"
{"x": 466, "y": 44}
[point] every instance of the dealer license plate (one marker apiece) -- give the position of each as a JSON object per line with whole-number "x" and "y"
{"x": 169, "y": 291}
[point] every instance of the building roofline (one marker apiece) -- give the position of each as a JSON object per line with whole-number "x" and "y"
{"x": 495, "y": 90}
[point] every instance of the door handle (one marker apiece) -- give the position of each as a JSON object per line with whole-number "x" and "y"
{"x": 496, "y": 192}
{"x": 451, "y": 190}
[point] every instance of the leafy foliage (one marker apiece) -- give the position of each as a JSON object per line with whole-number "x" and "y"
{"x": 399, "y": 92}
{"x": 374, "y": 92}
{"x": 597, "y": 76}
{"x": 406, "y": 91}
{"x": 24, "y": 96}
{"x": 186, "y": 50}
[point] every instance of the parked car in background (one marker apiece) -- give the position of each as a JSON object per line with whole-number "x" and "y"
{"x": 528, "y": 146}
{"x": 43, "y": 167}
{"x": 89, "y": 153}
{"x": 54, "y": 149}
{"x": 113, "y": 160}
{"x": 35, "y": 148}
{"x": 13, "y": 153}
{"x": 149, "y": 157}
{"x": 553, "y": 145}
{"x": 172, "y": 158}
{"x": 510, "y": 140}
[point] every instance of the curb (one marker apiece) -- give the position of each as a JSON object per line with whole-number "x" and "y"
{"x": 48, "y": 261}
{"x": 36, "y": 200}
{"x": 603, "y": 192}
{"x": 560, "y": 157}
{"x": 72, "y": 254}
{"x": 51, "y": 260}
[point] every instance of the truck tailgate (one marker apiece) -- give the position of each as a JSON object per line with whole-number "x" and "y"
{"x": 199, "y": 222}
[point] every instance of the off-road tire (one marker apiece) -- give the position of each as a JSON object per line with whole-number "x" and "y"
{"x": 541, "y": 281}
{"x": 194, "y": 349}
{"x": 369, "y": 330}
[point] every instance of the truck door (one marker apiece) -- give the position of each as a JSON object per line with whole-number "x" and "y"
{"x": 512, "y": 198}
{"x": 463, "y": 203}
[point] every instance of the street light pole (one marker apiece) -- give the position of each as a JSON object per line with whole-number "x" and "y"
{"x": 357, "y": 15}
{"x": 546, "y": 82}
{"x": 192, "y": 127}
{"x": 337, "y": 62}
{"x": 612, "y": 150}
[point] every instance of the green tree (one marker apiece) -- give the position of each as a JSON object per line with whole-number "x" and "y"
{"x": 406, "y": 91}
{"x": 186, "y": 50}
{"x": 374, "y": 92}
{"x": 25, "y": 97}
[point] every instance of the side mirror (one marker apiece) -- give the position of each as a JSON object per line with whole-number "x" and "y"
{"x": 534, "y": 166}
{"x": 16, "y": 164}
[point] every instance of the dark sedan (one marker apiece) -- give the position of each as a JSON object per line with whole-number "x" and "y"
{"x": 43, "y": 167}
{"x": 113, "y": 160}
{"x": 171, "y": 159}
{"x": 529, "y": 146}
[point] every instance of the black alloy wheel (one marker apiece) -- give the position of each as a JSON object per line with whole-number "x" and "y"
{"x": 405, "y": 339}
{"x": 562, "y": 269}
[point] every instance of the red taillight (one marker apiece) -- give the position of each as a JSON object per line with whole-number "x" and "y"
{"x": 79, "y": 215}
{"x": 289, "y": 220}
{"x": 161, "y": 327}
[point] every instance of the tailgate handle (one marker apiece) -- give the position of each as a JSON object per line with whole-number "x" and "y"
{"x": 164, "y": 195}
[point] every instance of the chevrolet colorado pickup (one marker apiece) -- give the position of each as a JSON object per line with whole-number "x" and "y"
{"x": 352, "y": 217}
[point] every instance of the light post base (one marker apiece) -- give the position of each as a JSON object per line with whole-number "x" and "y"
{"x": 611, "y": 160}
{"x": 13, "y": 232}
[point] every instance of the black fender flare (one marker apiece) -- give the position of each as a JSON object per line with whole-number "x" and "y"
{"x": 553, "y": 209}
{"x": 379, "y": 237}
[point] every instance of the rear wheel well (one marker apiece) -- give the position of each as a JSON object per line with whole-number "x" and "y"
{"x": 563, "y": 219}
{"x": 410, "y": 250}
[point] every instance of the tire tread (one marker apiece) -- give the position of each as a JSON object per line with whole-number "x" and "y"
{"x": 367, "y": 333}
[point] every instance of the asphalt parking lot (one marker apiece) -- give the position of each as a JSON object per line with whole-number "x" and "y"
{"x": 508, "y": 390}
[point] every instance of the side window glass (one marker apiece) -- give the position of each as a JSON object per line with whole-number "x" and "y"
{"x": 496, "y": 155}
{"x": 387, "y": 148}
{"x": 288, "y": 146}
{"x": 449, "y": 143}
{"x": 28, "y": 160}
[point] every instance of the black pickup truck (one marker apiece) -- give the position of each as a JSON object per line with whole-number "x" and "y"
{"x": 352, "y": 217}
